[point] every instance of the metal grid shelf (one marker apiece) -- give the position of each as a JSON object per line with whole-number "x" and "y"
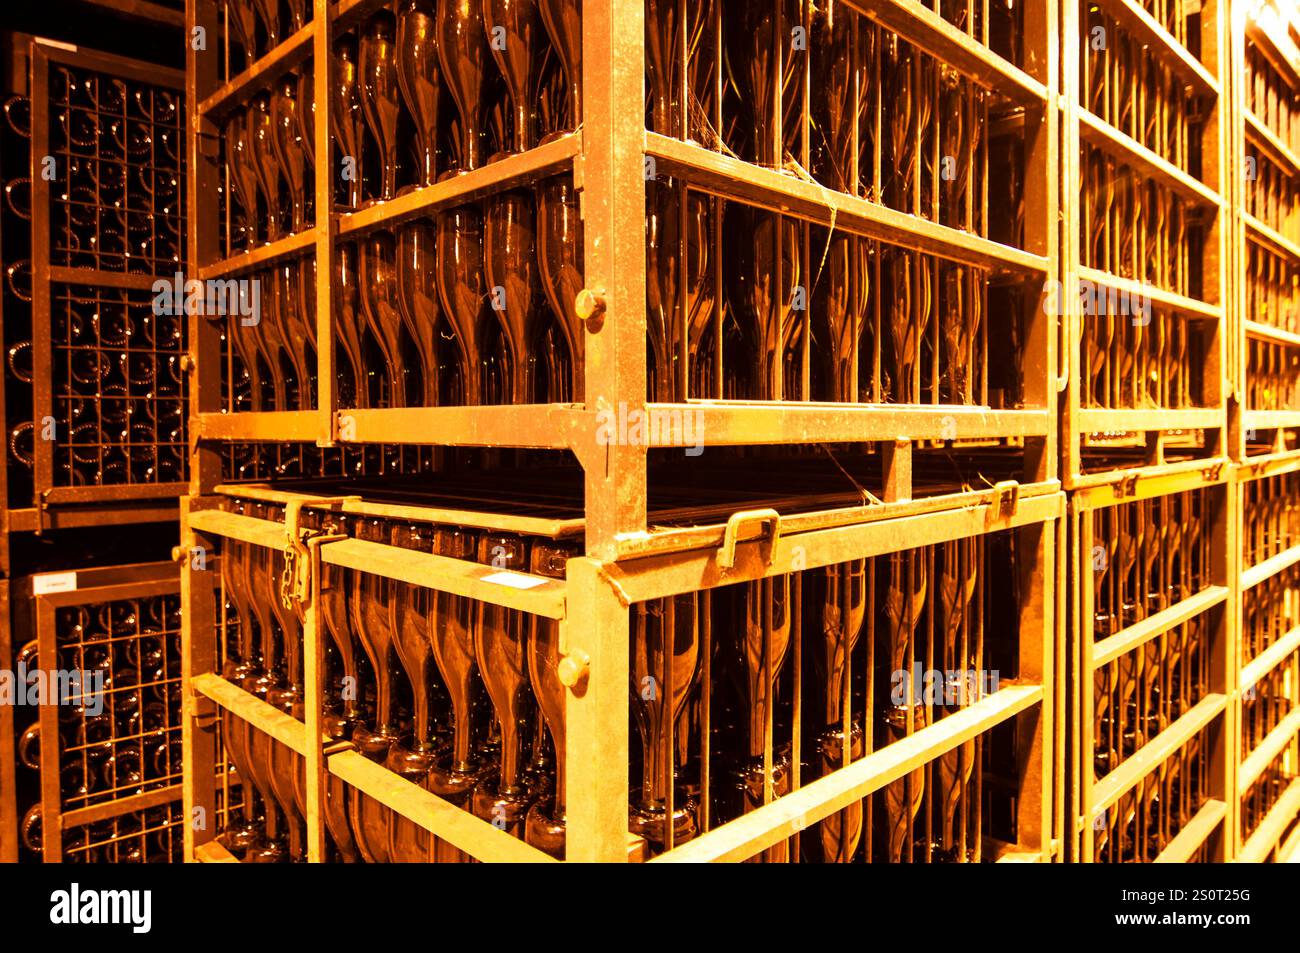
{"x": 110, "y": 748}
{"x": 1267, "y": 706}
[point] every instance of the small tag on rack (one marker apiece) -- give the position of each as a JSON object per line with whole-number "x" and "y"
{"x": 49, "y": 582}
{"x": 515, "y": 580}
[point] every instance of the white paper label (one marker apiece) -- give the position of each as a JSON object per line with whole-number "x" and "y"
{"x": 53, "y": 582}
{"x": 515, "y": 580}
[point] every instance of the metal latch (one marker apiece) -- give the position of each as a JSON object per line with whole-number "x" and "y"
{"x": 301, "y": 551}
{"x": 1006, "y": 498}
{"x": 1125, "y": 487}
{"x": 764, "y": 517}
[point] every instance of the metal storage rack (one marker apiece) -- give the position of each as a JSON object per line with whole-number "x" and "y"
{"x": 1266, "y": 58}
{"x": 628, "y": 560}
{"x": 1144, "y": 254}
{"x": 1267, "y": 338}
{"x": 107, "y": 221}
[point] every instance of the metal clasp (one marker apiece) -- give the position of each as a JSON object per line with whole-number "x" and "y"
{"x": 1006, "y": 498}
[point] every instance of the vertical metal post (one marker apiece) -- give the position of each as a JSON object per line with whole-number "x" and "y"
{"x": 611, "y": 173}
{"x": 595, "y": 632}
{"x": 323, "y": 67}
{"x": 198, "y": 714}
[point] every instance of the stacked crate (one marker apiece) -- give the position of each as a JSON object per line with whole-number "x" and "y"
{"x": 95, "y": 416}
{"x": 857, "y": 329}
{"x": 1266, "y": 452}
{"x": 1144, "y": 431}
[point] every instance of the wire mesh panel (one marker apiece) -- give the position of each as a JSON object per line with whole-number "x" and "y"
{"x": 103, "y": 362}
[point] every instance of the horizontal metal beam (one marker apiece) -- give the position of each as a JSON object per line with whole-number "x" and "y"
{"x": 248, "y": 707}
{"x": 772, "y": 823}
{"x": 1140, "y": 633}
{"x": 1270, "y": 36}
{"x": 285, "y": 56}
{"x": 1269, "y": 237}
{"x": 1257, "y": 468}
{"x": 540, "y": 426}
{"x": 1141, "y": 291}
{"x": 1270, "y": 419}
{"x": 473, "y": 519}
{"x": 663, "y": 540}
{"x": 246, "y": 529}
{"x": 1275, "y": 742}
{"x": 1267, "y": 332}
{"x": 1195, "y": 832}
{"x": 1101, "y": 134}
{"x": 515, "y": 170}
{"x": 1149, "y": 31}
{"x": 536, "y": 595}
{"x": 29, "y": 519}
{"x": 1269, "y": 659}
{"x": 1101, "y": 490}
{"x": 1254, "y": 575}
{"x": 1146, "y": 420}
{"x": 928, "y": 31}
{"x": 656, "y": 576}
{"x": 113, "y": 493}
{"x": 778, "y": 192}
{"x": 274, "y": 425}
{"x": 1264, "y": 137}
{"x": 1149, "y": 757}
{"x": 1270, "y": 830}
{"x": 260, "y": 257}
{"x": 476, "y": 837}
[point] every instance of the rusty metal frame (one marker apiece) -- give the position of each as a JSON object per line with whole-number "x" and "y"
{"x": 608, "y": 157}
{"x": 1286, "y": 735}
{"x": 1261, "y": 30}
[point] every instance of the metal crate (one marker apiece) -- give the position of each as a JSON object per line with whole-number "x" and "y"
{"x": 96, "y": 385}
{"x": 651, "y": 620}
{"x": 1152, "y": 668}
{"x": 1268, "y": 346}
{"x": 1146, "y": 130}
{"x": 1269, "y": 640}
{"x": 113, "y": 745}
